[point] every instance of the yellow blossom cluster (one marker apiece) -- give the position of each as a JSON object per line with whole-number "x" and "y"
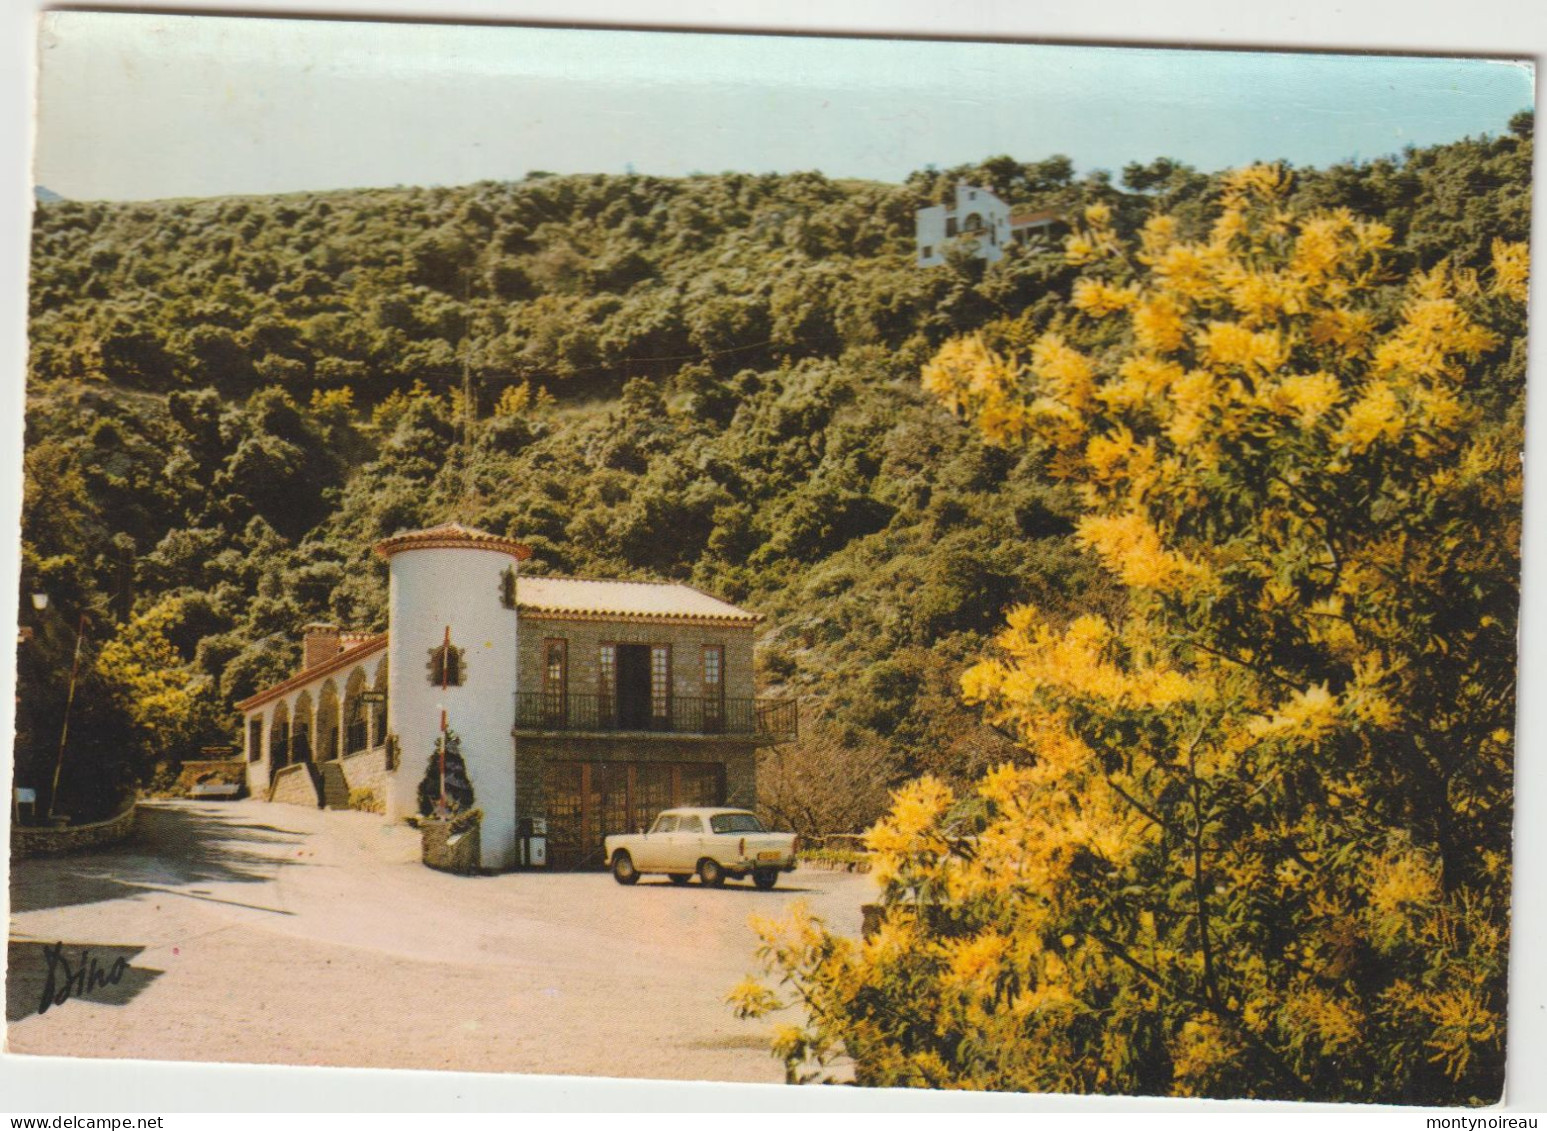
{"x": 968, "y": 376}
{"x": 1099, "y": 299}
{"x": 1133, "y": 549}
{"x": 1512, "y": 269}
{"x": 1306, "y": 396}
{"x": 1079, "y": 660}
{"x": 1230, "y": 345}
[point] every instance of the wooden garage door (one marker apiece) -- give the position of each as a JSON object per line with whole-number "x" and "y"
{"x": 588, "y": 801}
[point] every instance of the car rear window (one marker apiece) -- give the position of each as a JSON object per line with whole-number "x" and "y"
{"x": 736, "y": 823}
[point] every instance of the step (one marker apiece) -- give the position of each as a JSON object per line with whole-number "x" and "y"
{"x": 335, "y": 786}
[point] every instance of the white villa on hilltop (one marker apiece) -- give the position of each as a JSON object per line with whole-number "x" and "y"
{"x": 583, "y": 707}
{"x": 978, "y": 221}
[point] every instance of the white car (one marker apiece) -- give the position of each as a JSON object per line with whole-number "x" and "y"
{"x": 712, "y": 844}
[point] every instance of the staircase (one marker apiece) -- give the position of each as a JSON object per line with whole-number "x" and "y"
{"x": 335, "y": 787}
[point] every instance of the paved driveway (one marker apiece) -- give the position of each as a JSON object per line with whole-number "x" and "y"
{"x": 276, "y": 934}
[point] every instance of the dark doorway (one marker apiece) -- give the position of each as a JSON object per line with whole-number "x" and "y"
{"x": 633, "y": 686}
{"x": 589, "y": 801}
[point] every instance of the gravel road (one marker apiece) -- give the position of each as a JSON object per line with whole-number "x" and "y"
{"x": 266, "y": 933}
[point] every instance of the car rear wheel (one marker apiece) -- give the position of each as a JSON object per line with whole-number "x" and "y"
{"x": 765, "y": 878}
{"x": 679, "y": 878}
{"x": 623, "y": 869}
{"x": 710, "y": 874}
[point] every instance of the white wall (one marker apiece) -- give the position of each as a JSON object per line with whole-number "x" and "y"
{"x": 930, "y": 232}
{"x": 460, "y": 587}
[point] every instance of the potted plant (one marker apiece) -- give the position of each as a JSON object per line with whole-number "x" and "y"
{"x": 449, "y": 823}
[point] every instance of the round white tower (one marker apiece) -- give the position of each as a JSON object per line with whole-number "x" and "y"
{"x": 452, "y": 580}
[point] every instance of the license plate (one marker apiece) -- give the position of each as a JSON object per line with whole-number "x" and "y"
{"x": 769, "y": 855}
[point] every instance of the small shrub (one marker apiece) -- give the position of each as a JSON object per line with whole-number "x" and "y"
{"x": 836, "y": 859}
{"x": 366, "y": 801}
{"x": 459, "y": 788}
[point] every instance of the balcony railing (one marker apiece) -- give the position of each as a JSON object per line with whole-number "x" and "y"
{"x": 682, "y": 714}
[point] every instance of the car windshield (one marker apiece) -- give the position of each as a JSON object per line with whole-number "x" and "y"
{"x": 736, "y": 823}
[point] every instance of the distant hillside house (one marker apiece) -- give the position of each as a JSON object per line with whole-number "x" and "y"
{"x": 584, "y": 707}
{"x": 978, "y": 222}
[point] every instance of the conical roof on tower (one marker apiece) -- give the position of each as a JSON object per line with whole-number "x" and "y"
{"x": 451, "y": 535}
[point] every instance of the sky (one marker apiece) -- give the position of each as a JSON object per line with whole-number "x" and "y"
{"x": 134, "y": 107}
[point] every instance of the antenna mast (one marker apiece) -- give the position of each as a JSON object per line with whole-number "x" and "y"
{"x": 469, "y": 405}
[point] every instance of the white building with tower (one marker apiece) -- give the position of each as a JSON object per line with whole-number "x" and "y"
{"x": 978, "y": 222}
{"x": 582, "y": 706}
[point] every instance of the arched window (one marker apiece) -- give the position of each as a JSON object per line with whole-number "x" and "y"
{"x": 301, "y": 729}
{"x": 279, "y": 737}
{"x": 356, "y": 737}
{"x": 379, "y": 708}
{"x": 447, "y": 666}
{"x": 327, "y": 723}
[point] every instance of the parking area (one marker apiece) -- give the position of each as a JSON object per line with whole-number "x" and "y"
{"x": 261, "y": 933}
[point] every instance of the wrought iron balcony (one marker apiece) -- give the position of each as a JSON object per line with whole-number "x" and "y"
{"x": 765, "y": 720}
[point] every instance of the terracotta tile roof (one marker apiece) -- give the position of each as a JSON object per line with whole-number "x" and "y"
{"x": 1022, "y": 216}
{"x": 347, "y": 658}
{"x": 451, "y": 535}
{"x": 630, "y": 600}
{"x": 560, "y": 597}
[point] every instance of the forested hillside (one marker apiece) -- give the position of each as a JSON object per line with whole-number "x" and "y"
{"x": 712, "y": 379}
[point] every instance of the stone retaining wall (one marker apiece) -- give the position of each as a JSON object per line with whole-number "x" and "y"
{"x": 226, "y": 770}
{"x": 451, "y": 846}
{"x": 32, "y": 841}
{"x": 294, "y": 786}
{"x": 368, "y": 770}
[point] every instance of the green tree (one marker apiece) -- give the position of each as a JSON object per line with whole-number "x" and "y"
{"x": 174, "y": 707}
{"x": 1260, "y": 847}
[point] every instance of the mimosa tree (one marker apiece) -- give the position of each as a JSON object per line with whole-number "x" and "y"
{"x": 1261, "y": 847}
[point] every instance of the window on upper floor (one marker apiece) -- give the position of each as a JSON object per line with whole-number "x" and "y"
{"x": 447, "y": 666}
{"x": 555, "y": 681}
{"x": 714, "y": 686}
{"x": 660, "y": 681}
{"x": 607, "y": 671}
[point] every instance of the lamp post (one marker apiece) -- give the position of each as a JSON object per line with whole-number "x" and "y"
{"x": 25, "y": 632}
{"x": 64, "y": 728}
{"x": 26, "y": 795}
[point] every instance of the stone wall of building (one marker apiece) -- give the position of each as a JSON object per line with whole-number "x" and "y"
{"x": 738, "y": 758}
{"x": 585, "y": 639}
{"x": 368, "y": 770}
